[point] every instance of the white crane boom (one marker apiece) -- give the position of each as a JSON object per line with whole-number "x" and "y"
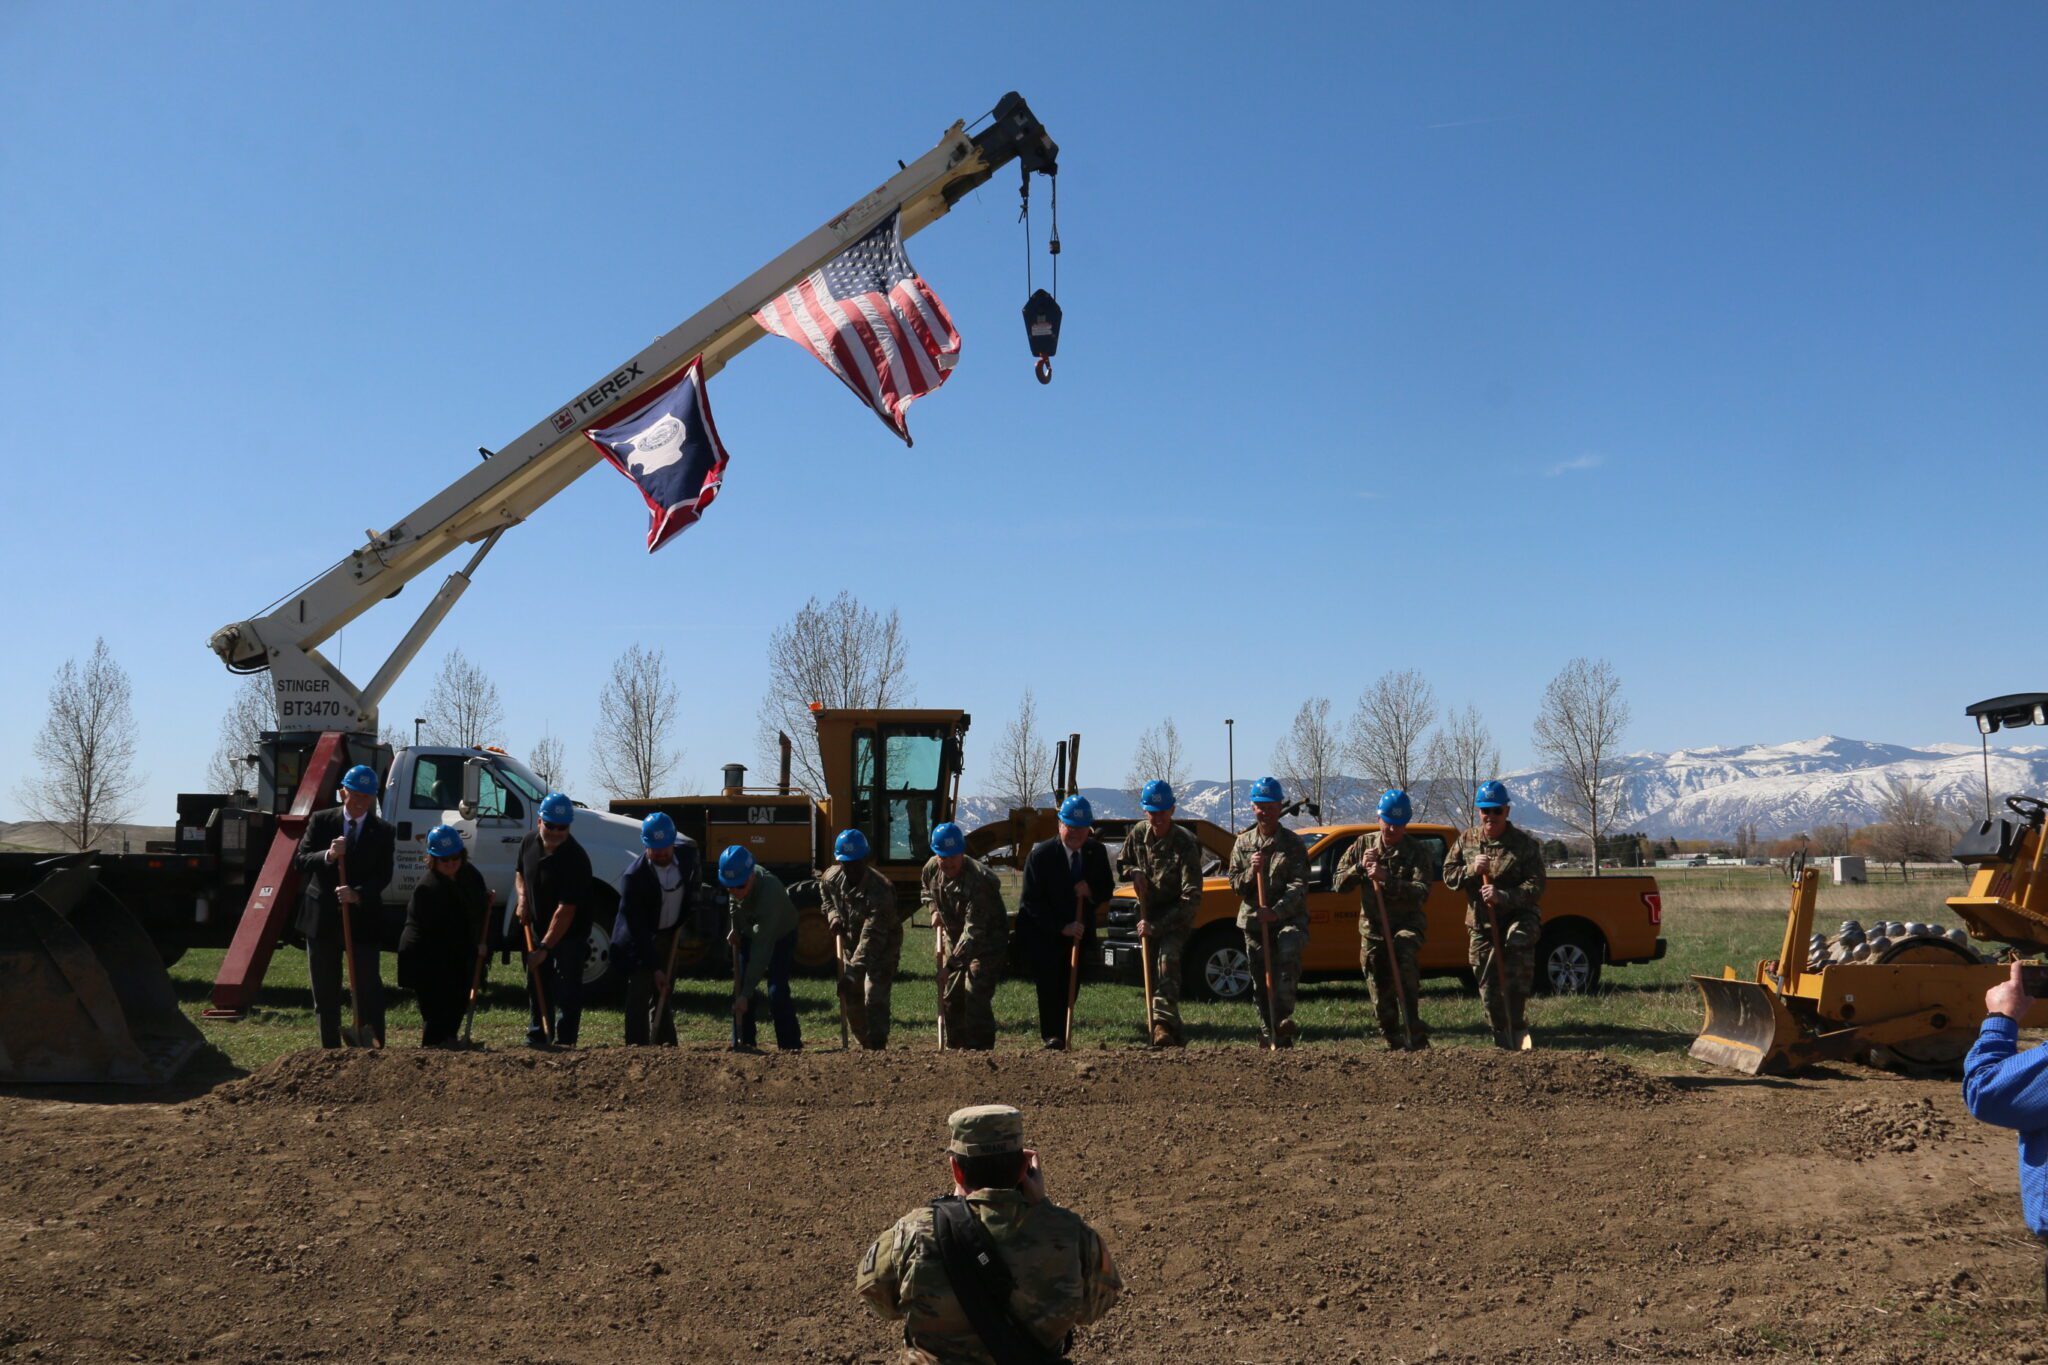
{"x": 515, "y": 482}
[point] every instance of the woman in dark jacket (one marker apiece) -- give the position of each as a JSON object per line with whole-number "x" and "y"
{"x": 444, "y": 926}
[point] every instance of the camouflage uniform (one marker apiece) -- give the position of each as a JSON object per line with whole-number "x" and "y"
{"x": 975, "y": 929}
{"x": 1287, "y": 894}
{"x": 1405, "y": 891}
{"x": 1061, "y": 1269}
{"x": 1518, "y": 876}
{"x": 1172, "y": 868}
{"x": 865, "y": 914}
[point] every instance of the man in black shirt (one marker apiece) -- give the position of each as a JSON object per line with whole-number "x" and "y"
{"x": 552, "y": 888}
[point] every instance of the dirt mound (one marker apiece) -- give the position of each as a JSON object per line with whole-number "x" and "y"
{"x": 1866, "y": 1128}
{"x": 1324, "y": 1204}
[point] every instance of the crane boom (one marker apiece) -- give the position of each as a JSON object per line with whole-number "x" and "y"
{"x": 521, "y": 476}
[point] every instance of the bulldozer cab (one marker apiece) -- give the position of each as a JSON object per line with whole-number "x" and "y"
{"x": 895, "y": 777}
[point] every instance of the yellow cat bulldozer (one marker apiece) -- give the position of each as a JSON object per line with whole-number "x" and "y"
{"x": 1910, "y": 996}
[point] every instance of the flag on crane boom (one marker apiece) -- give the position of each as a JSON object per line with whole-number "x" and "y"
{"x": 671, "y": 452}
{"x": 873, "y": 321}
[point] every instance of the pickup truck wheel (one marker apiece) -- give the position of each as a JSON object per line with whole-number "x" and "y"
{"x": 1568, "y": 959}
{"x": 1215, "y": 966}
{"x": 602, "y": 980}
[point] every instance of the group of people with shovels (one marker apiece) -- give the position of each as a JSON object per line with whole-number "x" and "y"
{"x": 347, "y": 856}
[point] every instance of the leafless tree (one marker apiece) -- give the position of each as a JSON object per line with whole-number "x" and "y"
{"x": 1388, "y": 729}
{"x": 1158, "y": 755}
{"x": 86, "y": 751}
{"x": 636, "y": 717}
{"x": 1305, "y": 760}
{"x": 1909, "y": 825}
{"x": 1460, "y": 755}
{"x": 1022, "y": 759}
{"x": 463, "y": 708}
{"x": 253, "y": 710}
{"x": 1578, "y": 731}
{"x": 839, "y": 654}
{"x": 1829, "y": 840}
{"x": 550, "y": 763}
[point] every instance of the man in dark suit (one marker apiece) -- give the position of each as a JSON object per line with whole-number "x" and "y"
{"x": 1065, "y": 879}
{"x": 351, "y": 836}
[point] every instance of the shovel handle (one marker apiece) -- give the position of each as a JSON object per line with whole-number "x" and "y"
{"x": 1266, "y": 959}
{"x": 348, "y": 951}
{"x": 540, "y": 993}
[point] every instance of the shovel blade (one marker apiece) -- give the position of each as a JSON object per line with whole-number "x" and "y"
{"x": 1747, "y": 1027}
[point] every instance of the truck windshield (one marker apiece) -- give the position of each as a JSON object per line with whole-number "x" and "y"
{"x": 521, "y": 778}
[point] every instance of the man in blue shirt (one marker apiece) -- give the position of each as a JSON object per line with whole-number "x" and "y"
{"x": 2005, "y": 1086}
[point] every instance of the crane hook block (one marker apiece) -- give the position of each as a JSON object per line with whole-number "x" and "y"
{"x": 1042, "y": 330}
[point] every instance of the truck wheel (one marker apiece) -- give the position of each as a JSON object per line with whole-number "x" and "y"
{"x": 602, "y": 980}
{"x": 1216, "y": 967}
{"x": 1568, "y": 959}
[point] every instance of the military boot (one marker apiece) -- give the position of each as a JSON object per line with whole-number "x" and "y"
{"x": 1162, "y": 1036}
{"x": 1287, "y": 1032}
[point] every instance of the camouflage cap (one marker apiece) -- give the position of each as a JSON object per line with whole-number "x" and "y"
{"x": 985, "y": 1130}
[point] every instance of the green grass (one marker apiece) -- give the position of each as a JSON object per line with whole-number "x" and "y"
{"x": 1647, "y": 1013}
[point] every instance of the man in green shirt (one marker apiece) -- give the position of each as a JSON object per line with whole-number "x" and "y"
{"x": 763, "y": 942}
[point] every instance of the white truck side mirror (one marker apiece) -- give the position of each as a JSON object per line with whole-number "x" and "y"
{"x": 472, "y": 787}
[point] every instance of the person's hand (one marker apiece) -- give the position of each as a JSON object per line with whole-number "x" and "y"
{"x": 739, "y": 1006}
{"x": 1482, "y": 866}
{"x": 345, "y": 894}
{"x": 540, "y": 953}
{"x": 337, "y": 850}
{"x": 1073, "y": 930}
{"x": 1269, "y": 916}
{"x": 525, "y": 916}
{"x": 660, "y": 982}
{"x": 2009, "y": 997}
{"x": 1376, "y": 870}
{"x": 1490, "y": 894}
{"x": 1259, "y": 862}
{"x": 1144, "y": 928}
{"x": 732, "y": 940}
{"x": 1033, "y": 1183}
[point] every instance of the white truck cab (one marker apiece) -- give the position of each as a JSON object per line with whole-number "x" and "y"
{"x": 494, "y": 799}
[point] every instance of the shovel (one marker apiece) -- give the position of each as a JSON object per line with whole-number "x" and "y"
{"x": 1525, "y": 1042}
{"x": 839, "y": 959}
{"x": 1139, "y": 885}
{"x": 1393, "y": 963}
{"x": 483, "y": 960}
{"x": 1266, "y": 956}
{"x": 540, "y": 992}
{"x": 939, "y": 973}
{"x": 357, "y": 1036}
{"x": 1074, "y": 966}
{"x": 675, "y": 952}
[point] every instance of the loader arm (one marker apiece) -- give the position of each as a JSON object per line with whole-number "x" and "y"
{"x": 516, "y": 481}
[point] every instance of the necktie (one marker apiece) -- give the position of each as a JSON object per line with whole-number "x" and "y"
{"x": 1074, "y": 863}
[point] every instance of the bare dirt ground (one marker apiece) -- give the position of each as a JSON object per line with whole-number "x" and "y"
{"x": 1323, "y": 1205}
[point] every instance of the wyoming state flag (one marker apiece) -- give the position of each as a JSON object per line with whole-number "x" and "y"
{"x": 671, "y": 452}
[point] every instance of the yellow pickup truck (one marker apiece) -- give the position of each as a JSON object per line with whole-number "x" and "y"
{"x": 1588, "y": 923}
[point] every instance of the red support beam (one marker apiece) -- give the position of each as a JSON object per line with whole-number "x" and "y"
{"x": 277, "y": 886}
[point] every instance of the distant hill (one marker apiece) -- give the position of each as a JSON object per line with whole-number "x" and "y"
{"x": 1782, "y": 789}
{"x": 34, "y": 835}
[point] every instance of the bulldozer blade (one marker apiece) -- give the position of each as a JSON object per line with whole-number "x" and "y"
{"x": 1748, "y": 1029}
{"x": 84, "y": 997}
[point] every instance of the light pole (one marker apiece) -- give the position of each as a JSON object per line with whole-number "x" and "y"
{"x": 1230, "y": 740}
{"x": 417, "y": 722}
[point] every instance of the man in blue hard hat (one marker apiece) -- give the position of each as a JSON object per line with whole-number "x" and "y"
{"x": 1065, "y": 878}
{"x": 1270, "y": 860}
{"x": 353, "y": 838}
{"x": 1391, "y": 870}
{"x": 552, "y": 891}
{"x": 1499, "y": 867}
{"x": 1163, "y": 863}
{"x": 443, "y": 936}
{"x": 973, "y": 933}
{"x": 763, "y": 942}
{"x": 860, "y": 905}
{"x": 655, "y": 892}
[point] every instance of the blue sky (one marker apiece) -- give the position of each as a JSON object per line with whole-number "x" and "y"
{"x": 1707, "y": 339}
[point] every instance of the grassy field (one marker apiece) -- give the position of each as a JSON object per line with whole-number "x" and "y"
{"x": 1647, "y": 1013}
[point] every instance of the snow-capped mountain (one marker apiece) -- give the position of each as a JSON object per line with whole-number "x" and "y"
{"x": 1692, "y": 793}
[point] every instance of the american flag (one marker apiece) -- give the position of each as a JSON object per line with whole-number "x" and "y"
{"x": 874, "y": 322}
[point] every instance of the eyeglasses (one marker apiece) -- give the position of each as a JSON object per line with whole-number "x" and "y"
{"x": 559, "y": 829}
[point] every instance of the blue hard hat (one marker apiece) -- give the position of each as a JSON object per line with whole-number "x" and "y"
{"x": 557, "y": 809}
{"x": 1076, "y": 811}
{"x": 444, "y": 841}
{"x": 658, "y": 831}
{"x": 1492, "y": 796}
{"x": 735, "y": 865}
{"x": 1266, "y": 789}
{"x": 850, "y": 847}
{"x": 361, "y": 779}
{"x": 949, "y": 840}
{"x": 1395, "y": 808}
{"x": 1158, "y": 796}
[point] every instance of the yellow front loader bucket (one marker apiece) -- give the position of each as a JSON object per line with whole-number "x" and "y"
{"x": 84, "y": 997}
{"x": 1748, "y": 1028}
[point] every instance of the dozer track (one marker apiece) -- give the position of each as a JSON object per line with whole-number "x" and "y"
{"x": 84, "y": 997}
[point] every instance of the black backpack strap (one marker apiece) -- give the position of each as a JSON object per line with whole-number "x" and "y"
{"x": 982, "y": 1284}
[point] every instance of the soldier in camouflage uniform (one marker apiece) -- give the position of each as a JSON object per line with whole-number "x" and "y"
{"x": 1387, "y": 859}
{"x": 1058, "y": 1269}
{"x": 1281, "y": 855}
{"x": 860, "y": 905}
{"x": 966, "y": 904}
{"x": 1163, "y": 863}
{"x": 1500, "y": 870}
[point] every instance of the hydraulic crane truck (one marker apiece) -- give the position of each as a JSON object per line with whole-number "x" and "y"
{"x": 328, "y": 721}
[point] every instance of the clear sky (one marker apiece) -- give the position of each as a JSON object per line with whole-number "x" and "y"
{"x": 1705, "y": 338}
